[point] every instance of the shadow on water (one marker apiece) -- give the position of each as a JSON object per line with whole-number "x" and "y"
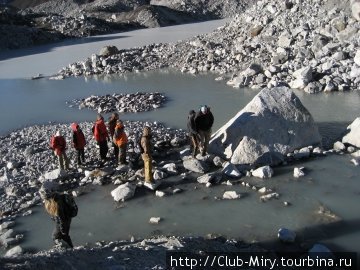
{"x": 308, "y": 236}
{"x": 331, "y": 132}
{"x": 49, "y": 47}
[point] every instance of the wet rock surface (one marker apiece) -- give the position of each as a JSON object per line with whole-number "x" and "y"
{"x": 134, "y": 102}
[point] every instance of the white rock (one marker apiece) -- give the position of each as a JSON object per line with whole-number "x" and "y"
{"x": 270, "y": 196}
{"x": 287, "y": 236}
{"x": 6, "y": 225}
{"x": 273, "y": 124}
{"x": 158, "y": 175}
{"x": 171, "y": 168}
{"x": 155, "y": 220}
{"x": 355, "y": 161}
{"x": 195, "y": 165}
{"x": 357, "y": 58}
{"x": 339, "y": 146}
{"x": 123, "y": 192}
{"x": 153, "y": 185}
{"x": 353, "y": 137}
{"x": 263, "y": 172}
{"x": 355, "y": 9}
{"x": 55, "y": 174}
{"x": 159, "y": 193}
{"x": 13, "y": 252}
{"x": 231, "y": 195}
{"x": 299, "y": 172}
{"x": 231, "y": 170}
{"x": 356, "y": 154}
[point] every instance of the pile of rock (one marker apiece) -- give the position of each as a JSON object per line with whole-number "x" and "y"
{"x": 27, "y": 161}
{"x": 134, "y": 102}
{"x": 308, "y": 45}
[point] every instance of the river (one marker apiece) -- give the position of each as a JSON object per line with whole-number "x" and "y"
{"x": 332, "y": 181}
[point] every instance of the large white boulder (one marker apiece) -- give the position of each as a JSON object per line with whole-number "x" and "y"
{"x": 353, "y": 137}
{"x": 263, "y": 172}
{"x": 124, "y": 192}
{"x": 273, "y": 124}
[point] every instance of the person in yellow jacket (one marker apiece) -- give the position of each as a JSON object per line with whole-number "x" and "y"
{"x": 120, "y": 139}
{"x": 146, "y": 154}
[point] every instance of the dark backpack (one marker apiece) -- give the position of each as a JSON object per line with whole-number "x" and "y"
{"x": 71, "y": 208}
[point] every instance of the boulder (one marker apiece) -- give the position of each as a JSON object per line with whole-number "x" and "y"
{"x": 54, "y": 174}
{"x": 272, "y": 125}
{"x": 13, "y": 252}
{"x": 209, "y": 178}
{"x": 155, "y": 220}
{"x": 263, "y": 172}
{"x": 287, "y": 236}
{"x": 355, "y": 8}
{"x": 231, "y": 195}
{"x": 353, "y": 137}
{"x": 108, "y": 51}
{"x": 195, "y": 165}
{"x": 339, "y": 146}
{"x": 123, "y": 192}
{"x": 299, "y": 172}
{"x": 158, "y": 175}
{"x": 231, "y": 170}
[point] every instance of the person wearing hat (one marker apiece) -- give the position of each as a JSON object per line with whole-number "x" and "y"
{"x": 120, "y": 140}
{"x": 146, "y": 154}
{"x": 193, "y": 134}
{"x": 58, "y": 145}
{"x": 101, "y": 136}
{"x": 111, "y": 125}
{"x": 204, "y": 120}
{"x": 55, "y": 206}
{"x": 79, "y": 142}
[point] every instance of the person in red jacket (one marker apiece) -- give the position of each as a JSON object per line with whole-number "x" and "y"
{"x": 79, "y": 142}
{"x": 101, "y": 136}
{"x": 58, "y": 144}
{"x": 120, "y": 140}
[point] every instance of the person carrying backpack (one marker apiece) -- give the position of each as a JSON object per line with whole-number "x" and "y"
{"x": 204, "y": 120}
{"x": 79, "y": 142}
{"x": 62, "y": 208}
{"x": 120, "y": 140}
{"x": 58, "y": 144}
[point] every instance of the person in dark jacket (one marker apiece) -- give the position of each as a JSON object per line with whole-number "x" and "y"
{"x": 101, "y": 136}
{"x": 204, "y": 120}
{"x": 54, "y": 203}
{"x": 111, "y": 125}
{"x": 58, "y": 144}
{"x": 193, "y": 134}
{"x": 79, "y": 142}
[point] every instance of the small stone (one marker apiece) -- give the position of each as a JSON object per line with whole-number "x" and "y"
{"x": 155, "y": 220}
{"x": 159, "y": 193}
{"x": 231, "y": 195}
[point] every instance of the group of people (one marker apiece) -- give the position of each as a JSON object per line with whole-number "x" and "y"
{"x": 199, "y": 126}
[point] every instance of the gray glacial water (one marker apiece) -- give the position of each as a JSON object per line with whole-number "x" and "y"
{"x": 332, "y": 181}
